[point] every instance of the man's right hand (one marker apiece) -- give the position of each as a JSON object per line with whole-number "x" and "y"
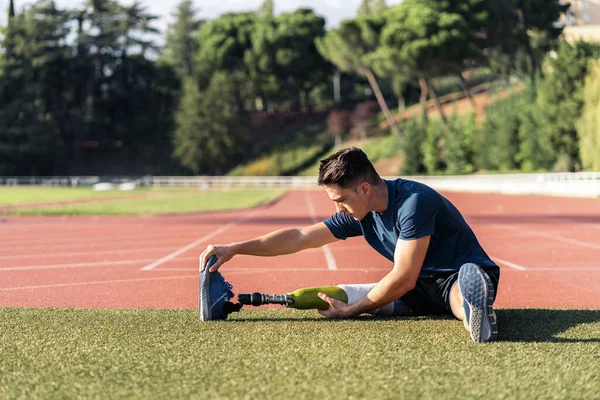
{"x": 223, "y": 253}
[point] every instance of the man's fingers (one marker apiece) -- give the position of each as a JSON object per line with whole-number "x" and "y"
{"x": 215, "y": 266}
{"x": 201, "y": 262}
{"x": 333, "y": 303}
{"x": 205, "y": 256}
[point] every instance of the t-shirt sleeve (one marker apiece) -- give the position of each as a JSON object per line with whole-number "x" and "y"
{"x": 343, "y": 226}
{"x": 417, "y": 216}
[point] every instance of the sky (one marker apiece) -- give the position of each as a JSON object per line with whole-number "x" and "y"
{"x": 334, "y": 11}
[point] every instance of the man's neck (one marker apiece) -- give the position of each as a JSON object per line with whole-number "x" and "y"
{"x": 381, "y": 197}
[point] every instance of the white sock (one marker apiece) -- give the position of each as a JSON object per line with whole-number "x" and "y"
{"x": 355, "y": 292}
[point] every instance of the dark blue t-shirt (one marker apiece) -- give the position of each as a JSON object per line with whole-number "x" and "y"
{"x": 416, "y": 210}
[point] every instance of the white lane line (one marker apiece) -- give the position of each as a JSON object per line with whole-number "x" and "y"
{"x": 76, "y": 265}
{"x": 80, "y": 253}
{"x": 222, "y": 229}
{"x": 97, "y": 282}
{"x": 555, "y": 237}
{"x": 566, "y": 269}
{"x": 101, "y": 252}
{"x": 91, "y": 244}
{"x": 103, "y": 264}
{"x": 331, "y": 264}
{"x": 510, "y": 264}
{"x": 279, "y": 269}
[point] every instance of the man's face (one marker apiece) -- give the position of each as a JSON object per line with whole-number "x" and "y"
{"x": 352, "y": 201}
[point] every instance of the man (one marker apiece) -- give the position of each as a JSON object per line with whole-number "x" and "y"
{"x": 439, "y": 266}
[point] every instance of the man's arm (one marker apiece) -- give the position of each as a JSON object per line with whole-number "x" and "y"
{"x": 283, "y": 241}
{"x": 408, "y": 260}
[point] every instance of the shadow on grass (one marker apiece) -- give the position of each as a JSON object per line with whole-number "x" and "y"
{"x": 514, "y": 325}
{"x": 544, "y": 325}
{"x": 319, "y": 318}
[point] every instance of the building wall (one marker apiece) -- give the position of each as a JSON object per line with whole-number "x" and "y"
{"x": 582, "y": 21}
{"x": 582, "y": 12}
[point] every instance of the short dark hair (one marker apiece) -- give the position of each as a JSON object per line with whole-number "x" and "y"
{"x": 347, "y": 167}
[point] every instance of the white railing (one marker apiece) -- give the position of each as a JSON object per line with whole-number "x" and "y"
{"x": 72, "y": 180}
{"x": 208, "y": 182}
{"x": 580, "y": 184}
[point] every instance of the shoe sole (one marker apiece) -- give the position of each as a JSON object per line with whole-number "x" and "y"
{"x": 478, "y": 293}
{"x": 203, "y": 296}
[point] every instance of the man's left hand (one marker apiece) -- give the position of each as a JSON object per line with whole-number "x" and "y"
{"x": 337, "y": 308}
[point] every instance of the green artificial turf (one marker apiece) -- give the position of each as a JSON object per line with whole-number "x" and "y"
{"x": 289, "y": 354}
{"x": 165, "y": 202}
{"x": 16, "y": 195}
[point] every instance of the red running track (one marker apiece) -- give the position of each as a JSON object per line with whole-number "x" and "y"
{"x": 548, "y": 249}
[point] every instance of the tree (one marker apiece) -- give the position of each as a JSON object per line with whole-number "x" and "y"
{"x": 370, "y": 7}
{"x": 420, "y": 39}
{"x": 209, "y": 131}
{"x": 266, "y": 9}
{"x": 223, "y": 44}
{"x": 523, "y": 29}
{"x": 181, "y": 44}
{"x": 588, "y": 126}
{"x": 351, "y": 47}
{"x": 284, "y": 55}
{"x": 471, "y": 52}
{"x": 537, "y": 28}
{"x": 31, "y": 96}
{"x": 560, "y": 97}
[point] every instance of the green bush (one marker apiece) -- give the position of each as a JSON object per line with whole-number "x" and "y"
{"x": 285, "y": 162}
{"x": 381, "y": 148}
{"x": 414, "y": 133}
{"x": 560, "y": 97}
{"x": 459, "y": 144}
{"x": 588, "y": 126}
{"x": 498, "y": 143}
{"x": 432, "y": 147}
{"x": 535, "y": 148}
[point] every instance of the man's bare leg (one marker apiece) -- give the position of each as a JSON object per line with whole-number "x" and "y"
{"x": 457, "y": 304}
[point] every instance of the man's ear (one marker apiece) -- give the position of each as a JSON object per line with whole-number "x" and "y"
{"x": 365, "y": 188}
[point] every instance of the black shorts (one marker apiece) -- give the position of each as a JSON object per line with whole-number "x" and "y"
{"x": 432, "y": 295}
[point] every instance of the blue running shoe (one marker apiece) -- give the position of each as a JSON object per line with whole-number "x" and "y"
{"x": 478, "y": 294}
{"x": 214, "y": 293}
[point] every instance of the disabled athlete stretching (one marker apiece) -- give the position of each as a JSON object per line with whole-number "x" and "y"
{"x": 439, "y": 266}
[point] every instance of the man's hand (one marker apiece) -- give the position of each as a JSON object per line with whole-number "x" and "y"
{"x": 337, "y": 308}
{"x": 224, "y": 253}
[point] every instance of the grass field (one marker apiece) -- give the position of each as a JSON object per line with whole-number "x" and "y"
{"x": 289, "y": 354}
{"x": 165, "y": 202}
{"x": 13, "y": 195}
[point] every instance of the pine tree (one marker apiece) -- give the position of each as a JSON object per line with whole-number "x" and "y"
{"x": 182, "y": 45}
{"x": 210, "y": 130}
{"x": 266, "y": 9}
{"x": 352, "y": 48}
{"x": 370, "y": 7}
{"x": 30, "y": 94}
